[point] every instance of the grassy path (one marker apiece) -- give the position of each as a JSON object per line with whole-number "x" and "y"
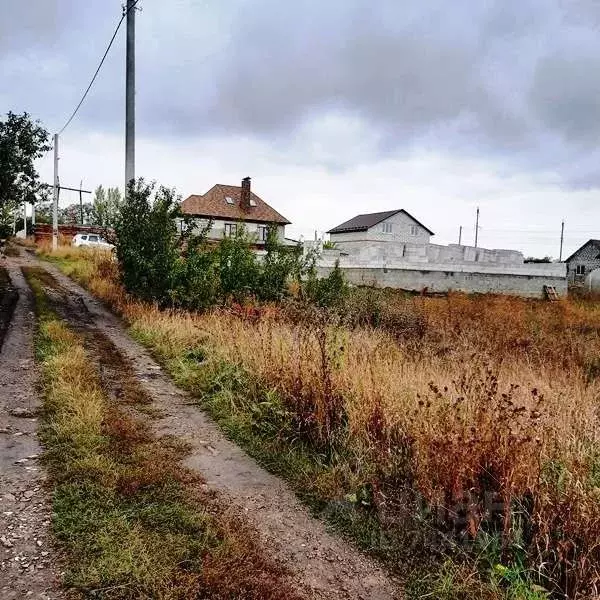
{"x": 29, "y": 562}
{"x": 312, "y": 562}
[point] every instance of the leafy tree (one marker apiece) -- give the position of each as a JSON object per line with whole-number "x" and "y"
{"x": 238, "y": 267}
{"x": 279, "y": 265}
{"x": 43, "y": 213}
{"x": 331, "y": 291}
{"x": 106, "y": 206}
{"x": 72, "y": 213}
{"x": 69, "y": 215}
{"x": 197, "y": 279}
{"x": 162, "y": 264}
{"x": 543, "y": 260}
{"x": 148, "y": 243}
{"x": 22, "y": 141}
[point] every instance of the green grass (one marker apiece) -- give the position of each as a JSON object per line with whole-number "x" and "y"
{"x": 133, "y": 522}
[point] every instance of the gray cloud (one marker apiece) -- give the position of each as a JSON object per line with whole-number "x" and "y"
{"x": 512, "y": 81}
{"x": 492, "y": 78}
{"x": 23, "y": 24}
{"x": 566, "y": 96}
{"x": 411, "y": 72}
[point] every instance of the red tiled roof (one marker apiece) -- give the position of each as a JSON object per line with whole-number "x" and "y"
{"x": 214, "y": 204}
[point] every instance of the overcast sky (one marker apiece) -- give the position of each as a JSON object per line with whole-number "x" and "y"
{"x": 333, "y": 107}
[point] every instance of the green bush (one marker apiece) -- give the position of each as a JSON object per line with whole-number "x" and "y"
{"x": 161, "y": 264}
{"x": 239, "y": 271}
{"x": 197, "y": 281}
{"x": 329, "y": 292}
{"x": 280, "y": 265}
{"x": 148, "y": 242}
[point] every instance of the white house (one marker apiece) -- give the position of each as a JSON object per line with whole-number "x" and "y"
{"x": 392, "y": 249}
{"x": 395, "y": 237}
{"x": 230, "y": 207}
{"x": 389, "y": 226}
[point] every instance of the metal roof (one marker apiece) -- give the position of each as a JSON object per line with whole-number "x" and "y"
{"x": 365, "y": 222}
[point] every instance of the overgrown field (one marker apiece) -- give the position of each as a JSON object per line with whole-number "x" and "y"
{"x": 457, "y": 438}
{"x": 134, "y": 523}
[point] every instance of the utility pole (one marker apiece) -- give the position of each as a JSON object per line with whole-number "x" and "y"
{"x": 562, "y": 239}
{"x": 81, "y": 202}
{"x": 460, "y": 235}
{"x": 130, "y": 96}
{"x": 477, "y": 227}
{"x": 55, "y": 207}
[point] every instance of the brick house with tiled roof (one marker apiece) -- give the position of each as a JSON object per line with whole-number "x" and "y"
{"x": 230, "y": 207}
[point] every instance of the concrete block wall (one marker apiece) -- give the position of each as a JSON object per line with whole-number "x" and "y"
{"x": 443, "y": 268}
{"x": 527, "y": 283}
{"x": 377, "y": 253}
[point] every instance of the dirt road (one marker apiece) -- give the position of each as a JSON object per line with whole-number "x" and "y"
{"x": 323, "y": 566}
{"x": 29, "y": 566}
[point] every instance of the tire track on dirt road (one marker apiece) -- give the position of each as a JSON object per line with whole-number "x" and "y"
{"x": 322, "y": 565}
{"x": 29, "y": 565}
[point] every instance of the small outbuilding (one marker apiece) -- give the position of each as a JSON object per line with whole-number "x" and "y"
{"x": 583, "y": 261}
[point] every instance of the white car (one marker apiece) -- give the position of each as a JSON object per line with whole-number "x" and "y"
{"x": 91, "y": 239}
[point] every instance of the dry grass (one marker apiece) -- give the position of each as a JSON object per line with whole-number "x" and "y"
{"x": 134, "y": 522}
{"x": 487, "y": 405}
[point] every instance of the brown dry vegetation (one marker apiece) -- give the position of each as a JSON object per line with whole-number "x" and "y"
{"x": 133, "y": 521}
{"x": 486, "y": 407}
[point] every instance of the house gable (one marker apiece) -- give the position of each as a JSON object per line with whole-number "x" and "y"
{"x": 583, "y": 261}
{"x": 589, "y": 251}
{"x": 367, "y": 222}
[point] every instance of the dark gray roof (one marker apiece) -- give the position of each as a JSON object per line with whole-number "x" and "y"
{"x": 595, "y": 242}
{"x": 365, "y": 222}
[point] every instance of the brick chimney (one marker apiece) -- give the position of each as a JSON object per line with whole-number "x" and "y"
{"x": 245, "y": 195}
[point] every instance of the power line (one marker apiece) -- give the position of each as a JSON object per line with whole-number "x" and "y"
{"x": 526, "y": 231}
{"x": 89, "y": 87}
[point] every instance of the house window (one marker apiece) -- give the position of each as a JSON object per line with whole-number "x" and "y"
{"x": 252, "y": 202}
{"x": 580, "y": 270}
{"x": 229, "y": 200}
{"x": 414, "y": 230}
{"x": 230, "y": 229}
{"x": 184, "y": 226}
{"x": 386, "y": 228}
{"x": 263, "y": 233}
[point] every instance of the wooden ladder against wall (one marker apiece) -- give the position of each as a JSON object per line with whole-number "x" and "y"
{"x": 551, "y": 293}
